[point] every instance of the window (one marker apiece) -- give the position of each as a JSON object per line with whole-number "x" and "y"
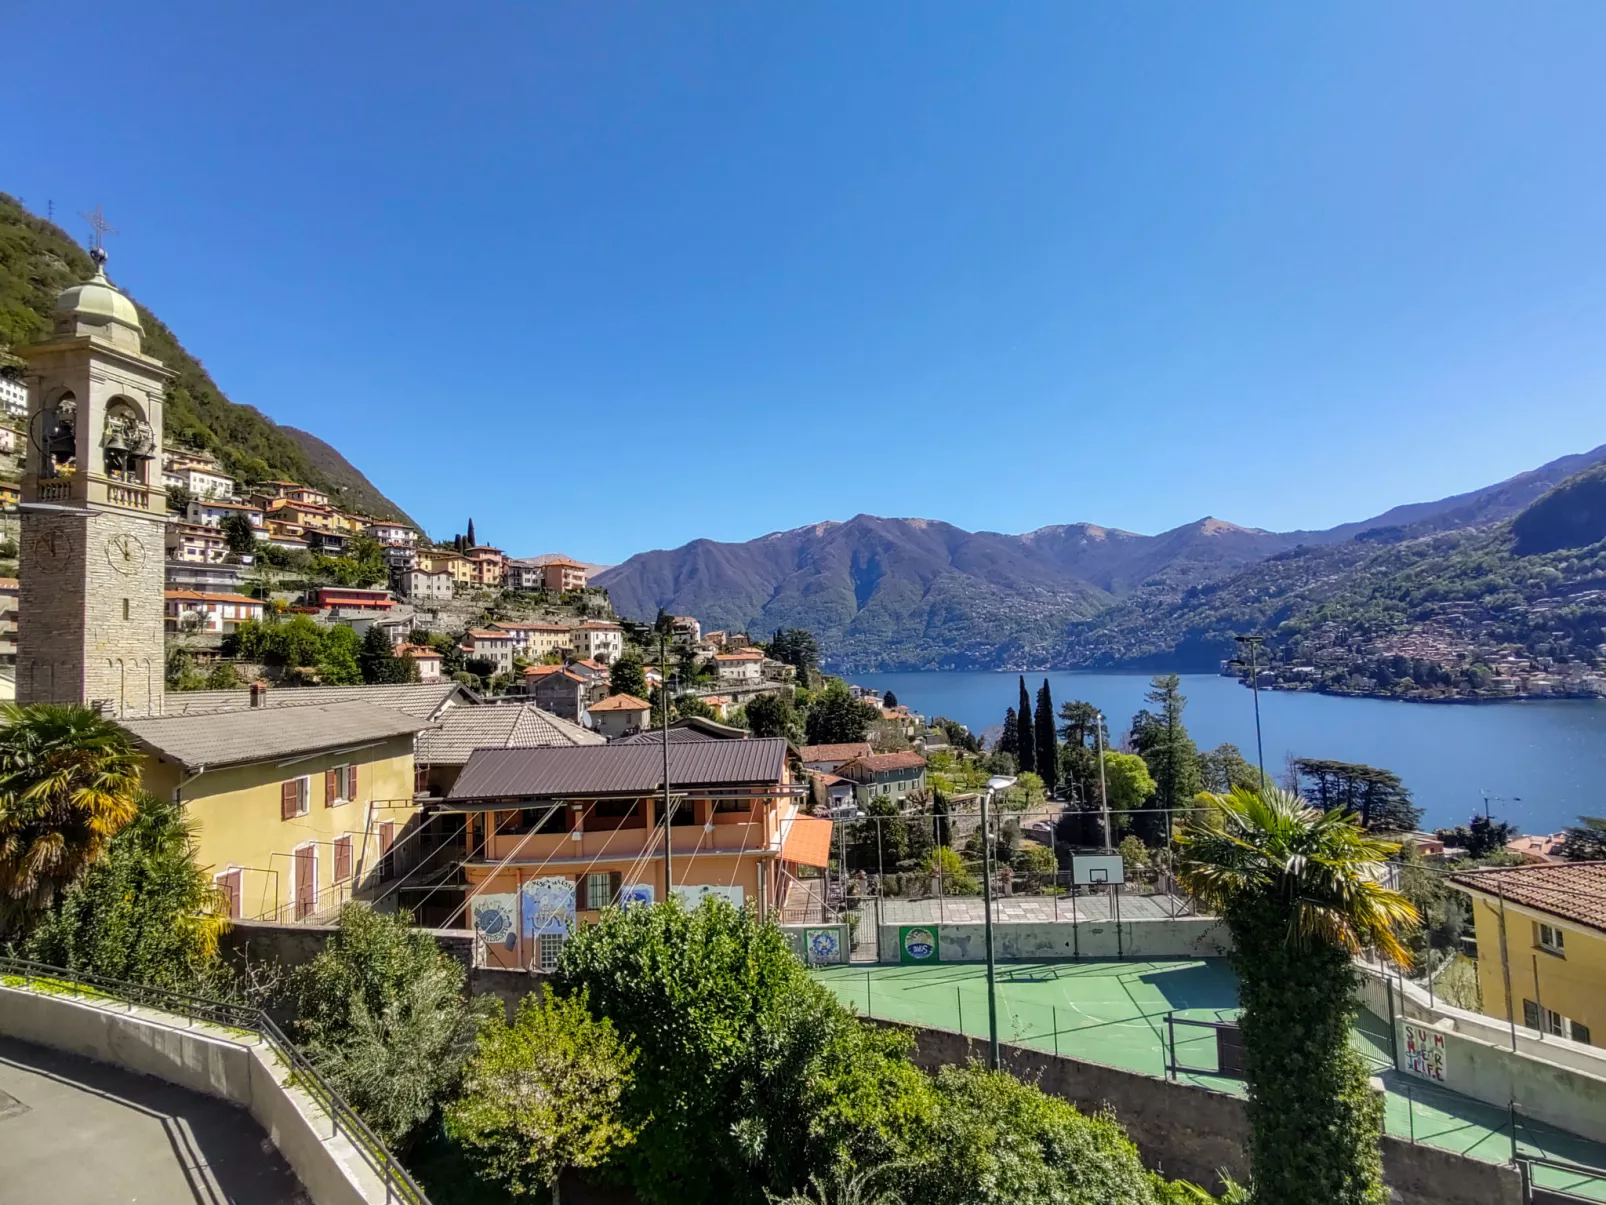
{"x": 293, "y": 797}
{"x": 547, "y": 948}
{"x": 342, "y": 858}
{"x": 339, "y": 785}
{"x": 1552, "y": 939}
{"x": 1549, "y": 1021}
{"x": 733, "y": 807}
{"x": 601, "y": 890}
{"x": 548, "y": 819}
{"x": 125, "y": 609}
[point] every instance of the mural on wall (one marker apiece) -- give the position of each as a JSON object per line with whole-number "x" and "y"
{"x": 824, "y": 945}
{"x": 633, "y": 894}
{"x": 917, "y": 944}
{"x": 696, "y": 893}
{"x": 548, "y": 906}
{"x": 496, "y": 919}
{"x": 1424, "y": 1052}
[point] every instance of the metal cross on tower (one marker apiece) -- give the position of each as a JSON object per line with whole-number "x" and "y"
{"x": 99, "y": 226}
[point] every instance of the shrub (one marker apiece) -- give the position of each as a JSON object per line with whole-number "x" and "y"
{"x": 381, "y": 1012}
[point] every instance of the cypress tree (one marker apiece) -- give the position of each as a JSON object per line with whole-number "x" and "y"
{"x": 1009, "y": 741}
{"x": 471, "y": 543}
{"x": 1026, "y": 732}
{"x": 1048, "y": 759}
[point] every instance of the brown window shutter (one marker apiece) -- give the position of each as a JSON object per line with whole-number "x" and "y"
{"x": 288, "y": 796}
{"x": 331, "y": 788}
{"x": 342, "y": 859}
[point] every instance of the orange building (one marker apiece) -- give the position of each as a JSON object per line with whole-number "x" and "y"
{"x": 556, "y": 835}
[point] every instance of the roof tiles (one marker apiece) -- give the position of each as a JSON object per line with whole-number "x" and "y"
{"x": 619, "y": 769}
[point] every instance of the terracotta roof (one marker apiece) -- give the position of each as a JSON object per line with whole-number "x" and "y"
{"x": 596, "y": 625}
{"x": 621, "y": 703}
{"x": 807, "y": 842}
{"x": 233, "y": 738}
{"x": 1574, "y": 891}
{"x": 483, "y": 635}
{"x": 8, "y": 583}
{"x": 541, "y": 671}
{"x": 836, "y": 753}
{"x": 202, "y": 596}
{"x": 618, "y": 769}
{"x": 738, "y": 656}
{"x": 882, "y": 763}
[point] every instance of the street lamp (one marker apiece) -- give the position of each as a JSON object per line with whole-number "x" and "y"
{"x": 987, "y": 929}
{"x": 1253, "y": 644}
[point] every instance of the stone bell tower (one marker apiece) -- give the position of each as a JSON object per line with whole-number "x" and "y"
{"x": 94, "y": 510}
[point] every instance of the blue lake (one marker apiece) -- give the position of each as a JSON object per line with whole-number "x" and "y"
{"x": 1547, "y": 759}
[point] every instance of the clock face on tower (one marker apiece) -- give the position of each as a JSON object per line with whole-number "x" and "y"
{"x": 125, "y": 553}
{"x": 52, "y": 550}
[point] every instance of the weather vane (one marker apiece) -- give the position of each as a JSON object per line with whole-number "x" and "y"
{"x": 100, "y": 228}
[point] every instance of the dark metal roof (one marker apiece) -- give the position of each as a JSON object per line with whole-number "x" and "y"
{"x": 655, "y": 736}
{"x": 588, "y": 770}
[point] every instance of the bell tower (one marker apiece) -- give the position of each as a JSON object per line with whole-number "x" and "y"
{"x": 94, "y": 510}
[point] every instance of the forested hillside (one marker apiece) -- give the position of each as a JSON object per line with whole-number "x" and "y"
{"x": 38, "y": 260}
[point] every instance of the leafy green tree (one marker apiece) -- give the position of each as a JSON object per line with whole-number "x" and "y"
{"x": 770, "y": 715}
{"x": 1480, "y": 837}
{"x": 69, "y": 781}
{"x": 1162, "y": 740}
{"x": 1025, "y": 730}
{"x": 143, "y": 912}
{"x": 1009, "y": 739}
{"x": 1224, "y": 767}
{"x": 627, "y": 676}
{"x": 238, "y": 534}
{"x": 379, "y": 663}
{"x": 835, "y": 717}
{"x": 945, "y": 864}
{"x": 1036, "y": 865}
{"x": 338, "y": 664}
{"x": 1585, "y": 841}
{"x": 1126, "y": 775}
{"x": 889, "y": 700}
{"x": 222, "y": 676}
{"x": 690, "y": 707}
{"x": 1047, "y": 753}
{"x": 1378, "y": 797}
{"x": 543, "y": 1095}
{"x": 1301, "y": 891}
{"x": 381, "y": 1012}
{"x": 798, "y": 648}
{"x": 179, "y": 499}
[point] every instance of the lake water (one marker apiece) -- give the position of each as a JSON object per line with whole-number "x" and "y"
{"x": 1547, "y": 758}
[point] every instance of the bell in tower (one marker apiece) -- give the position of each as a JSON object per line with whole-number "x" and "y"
{"x": 94, "y": 510}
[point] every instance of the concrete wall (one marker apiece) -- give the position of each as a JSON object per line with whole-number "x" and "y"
{"x": 208, "y": 1060}
{"x": 799, "y": 938}
{"x": 1558, "y": 1082}
{"x": 289, "y": 946}
{"x": 1180, "y": 937}
{"x": 1189, "y": 1133}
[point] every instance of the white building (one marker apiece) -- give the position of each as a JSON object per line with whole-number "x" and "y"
{"x": 13, "y": 396}
{"x": 598, "y": 641}
{"x": 211, "y": 512}
{"x": 210, "y": 612}
{"x": 496, "y": 647}
{"x": 743, "y": 667}
{"x": 200, "y": 482}
{"x": 619, "y": 715}
{"x": 393, "y": 533}
{"x": 420, "y": 585}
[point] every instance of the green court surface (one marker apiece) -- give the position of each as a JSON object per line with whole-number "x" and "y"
{"x": 1114, "y": 1013}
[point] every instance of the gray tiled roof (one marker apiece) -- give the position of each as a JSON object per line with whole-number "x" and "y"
{"x": 231, "y": 738}
{"x": 501, "y": 726}
{"x": 415, "y": 698}
{"x": 655, "y": 736}
{"x": 618, "y": 768}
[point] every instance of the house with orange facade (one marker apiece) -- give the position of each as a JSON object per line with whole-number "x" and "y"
{"x": 554, "y": 836}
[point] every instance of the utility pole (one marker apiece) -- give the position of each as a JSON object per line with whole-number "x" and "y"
{"x": 669, "y": 807}
{"x": 1104, "y": 794}
{"x": 1253, "y": 643}
{"x": 987, "y": 927}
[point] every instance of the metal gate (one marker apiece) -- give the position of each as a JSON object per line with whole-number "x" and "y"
{"x": 1557, "y": 1182}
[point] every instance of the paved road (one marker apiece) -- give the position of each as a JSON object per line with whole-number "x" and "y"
{"x": 75, "y": 1132}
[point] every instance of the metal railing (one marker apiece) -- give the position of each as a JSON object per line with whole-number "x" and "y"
{"x": 399, "y": 1186}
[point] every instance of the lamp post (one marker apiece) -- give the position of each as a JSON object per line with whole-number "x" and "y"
{"x": 1253, "y": 644}
{"x": 669, "y": 807}
{"x": 987, "y": 929}
{"x": 1104, "y": 794}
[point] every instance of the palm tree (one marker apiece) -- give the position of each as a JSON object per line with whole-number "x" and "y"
{"x": 1301, "y": 891}
{"x": 69, "y": 780}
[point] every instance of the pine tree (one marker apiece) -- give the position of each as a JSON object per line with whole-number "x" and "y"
{"x": 1026, "y": 732}
{"x": 1009, "y": 742}
{"x": 1048, "y": 752}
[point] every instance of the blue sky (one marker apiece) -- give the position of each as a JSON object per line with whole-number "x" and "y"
{"x": 611, "y": 277}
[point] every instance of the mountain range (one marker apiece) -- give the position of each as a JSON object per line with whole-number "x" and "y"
{"x": 885, "y": 593}
{"x": 38, "y": 260}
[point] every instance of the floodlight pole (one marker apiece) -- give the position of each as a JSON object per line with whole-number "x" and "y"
{"x": 663, "y": 708}
{"x": 987, "y": 928}
{"x": 1104, "y": 794}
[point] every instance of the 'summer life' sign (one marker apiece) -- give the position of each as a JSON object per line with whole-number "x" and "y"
{"x": 1424, "y": 1052}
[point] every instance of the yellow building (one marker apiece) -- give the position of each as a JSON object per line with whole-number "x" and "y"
{"x": 556, "y": 835}
{"x": 444, "y": 560}
{"x": 1542, "y": 929}
{"x": 298, "y": 808}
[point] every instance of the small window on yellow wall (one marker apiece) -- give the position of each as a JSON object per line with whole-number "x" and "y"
{"x": 1552, "y": 939}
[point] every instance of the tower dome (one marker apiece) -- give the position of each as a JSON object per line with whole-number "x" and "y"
{"x": 95, "y": 307}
